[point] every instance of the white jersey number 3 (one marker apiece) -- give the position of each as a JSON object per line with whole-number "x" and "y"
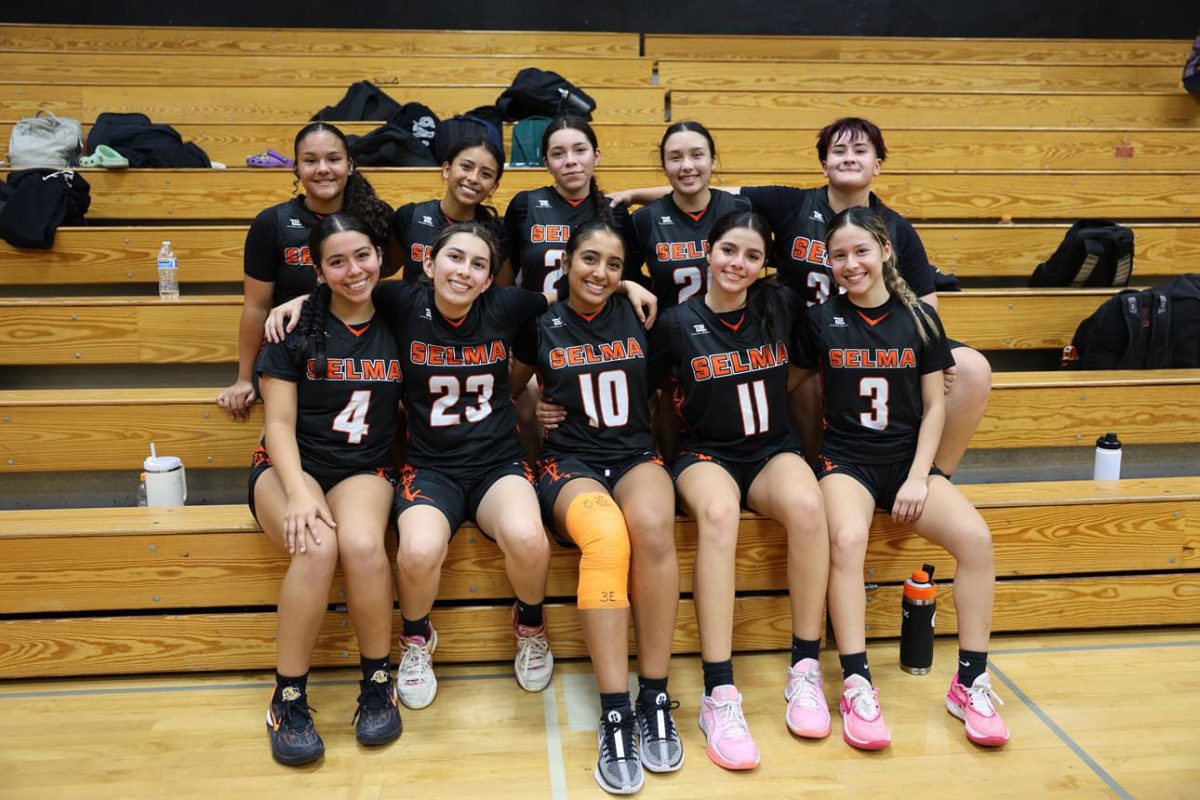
{"x": 876, "y": 389}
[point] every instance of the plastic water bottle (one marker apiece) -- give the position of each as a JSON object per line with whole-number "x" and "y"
{"x": 1108, "y": 458}
{"x": 918, "y": 611}
{"x": 168, "y": 273}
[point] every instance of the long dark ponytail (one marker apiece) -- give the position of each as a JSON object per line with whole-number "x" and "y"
{"x": 358, "y": 198}
{"x": 766, "y": 303}
{"x": 311, "y": 330}
{"x": 573, "y": 123}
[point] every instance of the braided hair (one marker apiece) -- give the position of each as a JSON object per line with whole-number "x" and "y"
{"x": 358, "y": 198}
{"x": 872, "y": 223}
{"x": 573, "y": 123}
{"x": 766, "y": 300}
{"x": 311, "y": 330}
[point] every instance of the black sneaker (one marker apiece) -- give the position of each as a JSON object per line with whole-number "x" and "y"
{"x": 377, "y": 720}
{"x": 294, "y": 740}
{"x": 618, "y": 770}
{"x": 661, "y": 748}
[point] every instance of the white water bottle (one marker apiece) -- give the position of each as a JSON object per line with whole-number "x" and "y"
{"x": 168, "y": 273}
{"x": 1108, "y": 458}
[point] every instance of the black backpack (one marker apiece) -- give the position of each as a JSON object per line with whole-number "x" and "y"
{"x": 364, "y": 101}
{"x": 37, "y": 201}
{"x": 419, "y": 120}
{"x": 538, "y": 93}
{"x": 1155, "y": 328}
{"x": 484, "y": 122}
{"x": 389, "y": 146}
{"x": 144, "y": 143}
{"x": 1093, "y": 253}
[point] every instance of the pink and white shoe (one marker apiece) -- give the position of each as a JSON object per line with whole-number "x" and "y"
{"x": 807, "y": 712}
{"x": 862, "y": 719}
{"x": 730, "y": 744}
{"x": 976, "y": 707}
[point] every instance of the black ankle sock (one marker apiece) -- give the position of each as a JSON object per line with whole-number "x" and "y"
{"x": 372, "y": 665}
{"x": 529, "y": 614}
{"x": 971, "y": 665}
{"x": 417, "y": 627}
{"x": 805, "y": 648}
{"x": 649, "y": 689}
{"x": 284, "y": 681}
{"x": 855, "y": 664}
{"x": 717, "y": 673}
{"x": 615, "y": 701}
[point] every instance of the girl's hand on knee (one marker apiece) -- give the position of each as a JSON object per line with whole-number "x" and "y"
{"x": 910, "y": 500}
{"x": 948, "y": 376}
{"x": 300, "y": 522}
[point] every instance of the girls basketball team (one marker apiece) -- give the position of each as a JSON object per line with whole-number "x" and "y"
{"x": 845, "y": 327}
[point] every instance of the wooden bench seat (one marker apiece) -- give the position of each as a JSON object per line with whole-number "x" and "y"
{"x": 748, "y": 148}
{"x": 111, "y": 429}
{"x": 296, "y": 104}
{"x": 213, "y": 253}
{"x": 203, "y": 328}
{"x": 339, "y": 71}
{"x": 311, "y": 41}
{"x": 235, "y": 194}
{"x": 924, "y": 76}
{"x": 774, "y": 109}
{"x": 899, "y": 49}
{"x": 213, "y": 579}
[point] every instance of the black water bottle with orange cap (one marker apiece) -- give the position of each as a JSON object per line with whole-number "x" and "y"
{"x": 918, "y": 614}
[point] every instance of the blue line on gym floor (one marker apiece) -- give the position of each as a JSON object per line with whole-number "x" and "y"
{"x": 1060, "y": 733}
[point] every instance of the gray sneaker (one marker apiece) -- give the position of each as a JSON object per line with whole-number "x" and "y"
{"x": 618, "y": 770}
{"x": 661, "y": 748}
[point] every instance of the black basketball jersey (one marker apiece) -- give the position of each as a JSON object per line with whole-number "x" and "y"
{"x": 456, "y": 387}
{"x": 417, "y": 225}
{"x": 731, "y": 383}
{"x": 348, "y": 420}
{"x": 595, "y": 368}
{"x": 798, "y": 218}
{"x": 871, "y": 362}
{"x": 277, "y": 249}
{"x": 674, "y": 244}
{"x": 539, "y": 223}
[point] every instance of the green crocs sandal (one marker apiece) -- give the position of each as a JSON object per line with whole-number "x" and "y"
{"x": 105, "y": 156}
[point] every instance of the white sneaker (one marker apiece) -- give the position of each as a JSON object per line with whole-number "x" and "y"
{"x": 534, "y": 664}
{"x": 414, "y": 678}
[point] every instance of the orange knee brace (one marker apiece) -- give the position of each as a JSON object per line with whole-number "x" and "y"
{"x": 597, "y": 526}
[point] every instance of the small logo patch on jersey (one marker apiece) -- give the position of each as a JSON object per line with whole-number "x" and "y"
{"x": 426, "y": 315}
{"x": 838, "y": 322}
{"x": 817, "y": 216}
{"x": 699, "y": 329}
{"x": 543, "y": 204}
{"x": 666, "y": 221}
{"x": 556, "y": 322}
{"x": 427, "y": 222}
{"x": 294, "y": 223}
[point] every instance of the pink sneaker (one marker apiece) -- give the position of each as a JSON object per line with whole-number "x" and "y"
{"x": 730, "y": 744}
{"x": 807, "y": 712}
{"x": 975, "y": 706}
{"x": 862, "y": 720}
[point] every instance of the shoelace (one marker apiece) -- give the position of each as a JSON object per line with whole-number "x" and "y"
{"x": 622, "y": 751}
{"x": 806, "y": 685}
{"x": 862, "y": 698}
{"x": 981, "y": 699}
{"x": 297, "y": 716}
{"x": 730, "y": 717}
{"x": 533, "y": 650}
{"x": 415, "y": 661}
{"x": 658, "y": 721}
{"x": 372, "y": 697}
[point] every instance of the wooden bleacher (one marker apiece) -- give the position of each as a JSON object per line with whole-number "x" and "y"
{"x": 199, "y": 582}
{"x": 981, "y": 131}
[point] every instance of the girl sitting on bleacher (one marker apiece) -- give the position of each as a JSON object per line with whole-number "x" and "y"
{"x": 472, "y": 172}
{"x": 277, "y": 262}
{"x": 321, "y": 483}
{"x": 881, "y": 353}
